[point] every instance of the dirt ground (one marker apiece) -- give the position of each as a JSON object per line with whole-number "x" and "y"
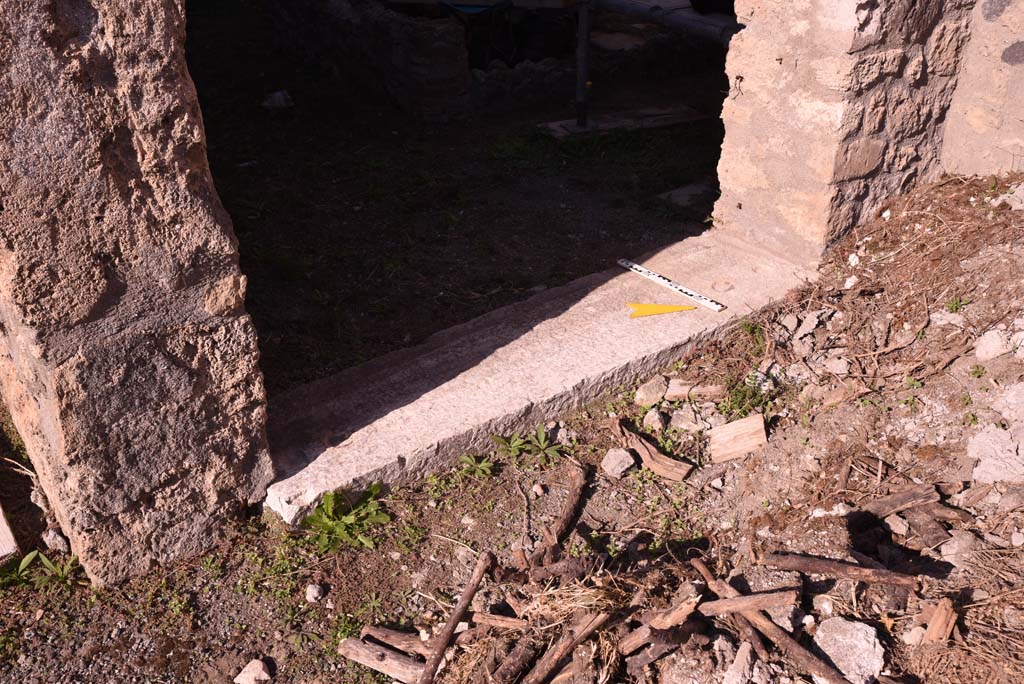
{"x": 870, "y": 383}
{"x": 362, "y": 230}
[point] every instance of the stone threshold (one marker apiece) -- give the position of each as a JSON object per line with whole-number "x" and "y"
{"x": 404, "y": 414}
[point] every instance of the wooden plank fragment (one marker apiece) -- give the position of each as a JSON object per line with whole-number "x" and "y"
{"x": 586, "y": 626}
{"x": 8, "y": 546}
{"x": 737, "y": 439}
{"x": 940, "y": 627}
{"x": 383, "y": 660}
{"x": 652, "y": 459}
{"x": 902, "y": 500}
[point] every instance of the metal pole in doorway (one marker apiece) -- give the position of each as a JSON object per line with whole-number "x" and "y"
{"x": 582, "y": 62}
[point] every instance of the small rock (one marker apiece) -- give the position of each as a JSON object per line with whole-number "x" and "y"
{"x": 853, "y": 647}
{"x": 998, "y": 455}
{"x": 617, "y": 462}
{"x": 655, "y": 420}
{"x": 717, "y": 484}
{"x": 790, "y": 322}
{"x": 943, "y": 317}
{"x": 315, "y": 592}
{"x": 55, "y": 541}
{"x": 683, "y": 419}
{"x": 837, "y": 365}
{"x": 853, "y": 259}
{"x": 255, "y": 671}
{"x": 850, "y": 282}
{"x": 651, "y": 392}
{"x": 824, "y": 605}
{"x": 807, "y": 326}
{"x": 1017, "y": 539}
{"x": 913, "y": 637}
{"x": 539, "y": 490}
{"x": 992, "y": 344}
{"x": 897, "y": 525}
{"x": 278, "y": 100}
{"x": 959, "y": 549}
{"x": 742, "y": 665}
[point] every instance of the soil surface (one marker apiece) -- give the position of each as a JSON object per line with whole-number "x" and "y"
{"x": 362, "y": 230}
{"x": 875, "y": 379}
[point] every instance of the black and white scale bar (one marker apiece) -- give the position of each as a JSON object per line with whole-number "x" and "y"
{"x": 672, "y": 285}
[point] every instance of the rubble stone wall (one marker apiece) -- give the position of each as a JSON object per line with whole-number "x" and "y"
{"x": 898, "y": 92}
{"x": 127, "y": 360}
{"x": 834, "y": 105}
{"x": 985, "y": 130}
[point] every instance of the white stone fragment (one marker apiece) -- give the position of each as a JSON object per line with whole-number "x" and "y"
{"x": 617, "y": 462}
{"x": 255, "y": 671}
{"x": 853, "y": 647}
{"x": 992, "y": 345}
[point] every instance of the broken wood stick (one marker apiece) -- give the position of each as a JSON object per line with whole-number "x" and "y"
{"x": 751, "y": 635}
{"x": 563, "y": 526}
{"x": 677, "y": 615}
{"x": 517, "y": 661}
{"x": 499, "y": 621}
{"x": 737, "y": 439}
{"x": 812, "y": 565}
{"x": 940, "y": 627}
{"x": 483, "y": 564}
{"x": 384, "y": 660}
{"x": 801, "y": 657}
{"x": 564, "y": 646}
{"x": 402, "y": 641}
{"x": 901, "y": 500}
{"x": 652, "y": 459}
{"x": 567, "y": 568}
{"x": 641, "y": 636}
{"x": 740, "y": 604}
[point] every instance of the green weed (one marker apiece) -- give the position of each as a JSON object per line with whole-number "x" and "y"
{"x": 956, "y": 304}
{"x": 977, "y": 371}
{"x": 475, "y": 468}
{"x": 334, "y": 522}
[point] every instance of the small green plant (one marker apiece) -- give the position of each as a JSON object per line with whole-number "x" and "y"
{"x": 212, "y": 566}
{"x": 910, "y": 402}
{"x": 334, "y": 522}
{"x": 540, "y": 446}
{"x": 510, "y": 447}
{"x": 977, "y": 371}
{"x": 18, "y": 573}
{"x": 475, "y": 468}
{"x": 409, "y": 537}
{"x": 957, "y": 304}
{"x": 966, "y": 400}
{"x": 61, "y": 576}
{"x": 756, "y": 334}
{"x": 743, "y": 399}
{"x": 971, "y": 419}
{"x": 913, "y": 383}
{"x": 372, "y": 607}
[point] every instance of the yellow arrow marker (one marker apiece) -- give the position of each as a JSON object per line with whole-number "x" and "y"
{"x": 640, "y": 310}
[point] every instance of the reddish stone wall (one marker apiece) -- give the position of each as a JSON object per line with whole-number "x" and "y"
{"x": 126, "y": 357}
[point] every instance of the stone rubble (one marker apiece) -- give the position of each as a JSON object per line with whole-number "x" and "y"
{"x": 853, "y": 647}
{"x": 651, "y": 392}
{"x": 992, "y": 345}
{"x": 255, "y": 671}
{"x": 617, "y": 462}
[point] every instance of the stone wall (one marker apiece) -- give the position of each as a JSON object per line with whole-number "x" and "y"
{"x": 834, "y": 105}
{"x": 985, "y": 130}
{"x": 126, "y": 358}
{"x": 907, "y": 57}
